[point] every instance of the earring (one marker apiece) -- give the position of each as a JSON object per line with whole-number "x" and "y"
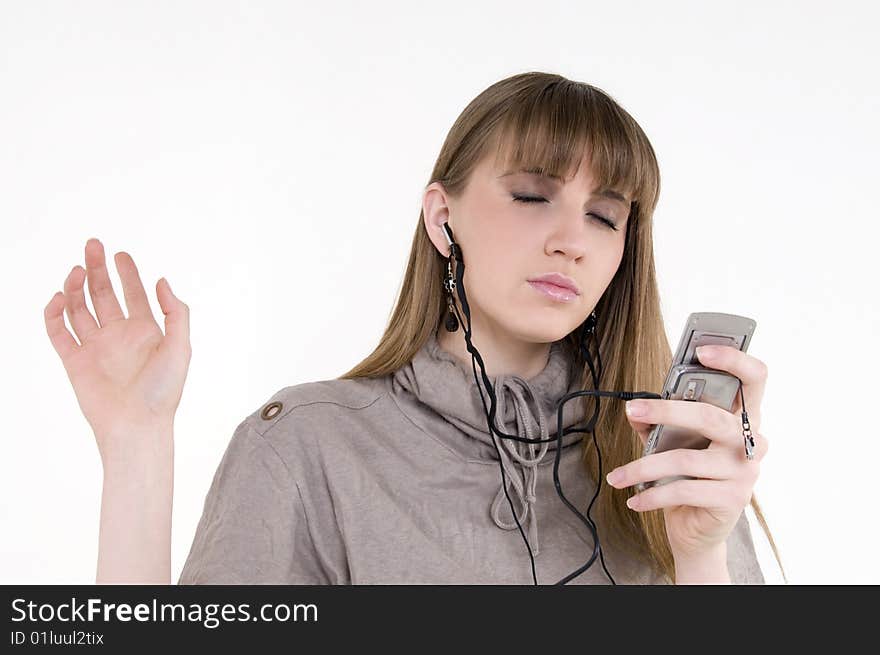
{"x": 588, "y": 330}
{"x": 451, "y": 321}
{"x": 590, "y": 323}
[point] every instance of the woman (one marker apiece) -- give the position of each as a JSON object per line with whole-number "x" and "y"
{"x": 390, "y": 473}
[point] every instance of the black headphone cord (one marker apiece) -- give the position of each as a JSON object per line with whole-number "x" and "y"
{"x": 589, "y": 329}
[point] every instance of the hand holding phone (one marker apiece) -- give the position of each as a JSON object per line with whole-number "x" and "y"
{"x": 688, "y": 379}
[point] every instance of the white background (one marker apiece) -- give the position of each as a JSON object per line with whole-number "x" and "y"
{"x": 269, "y": 159}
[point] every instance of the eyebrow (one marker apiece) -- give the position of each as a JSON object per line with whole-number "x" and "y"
{"x": 605, "y": 193}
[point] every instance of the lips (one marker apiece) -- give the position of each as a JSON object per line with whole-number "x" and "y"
{"x": 561, "y": 294}
{"x": 559, "y": 280}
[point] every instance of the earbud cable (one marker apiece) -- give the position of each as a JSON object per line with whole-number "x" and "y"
{"x": 587, "y": 332}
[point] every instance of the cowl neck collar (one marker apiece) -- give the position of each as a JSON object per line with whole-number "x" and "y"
{"x": 525, "y": 407}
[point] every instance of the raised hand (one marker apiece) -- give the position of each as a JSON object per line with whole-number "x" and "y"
{"x": 127, "y": 376}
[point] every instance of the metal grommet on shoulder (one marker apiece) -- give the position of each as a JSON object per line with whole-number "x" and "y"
{"x": 271, "y": 410}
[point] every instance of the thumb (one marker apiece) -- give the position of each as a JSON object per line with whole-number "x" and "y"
{"x": 176, "y": 316}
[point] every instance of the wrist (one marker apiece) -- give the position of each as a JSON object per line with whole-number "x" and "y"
{"x": 140, "y": 450}
{"x": 707, "y": 567}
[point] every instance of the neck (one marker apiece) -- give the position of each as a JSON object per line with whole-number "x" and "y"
{"x": 502, "y": 354}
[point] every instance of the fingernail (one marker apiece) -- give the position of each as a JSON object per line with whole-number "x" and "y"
{"x": 704, "y": 352}
{"x": 614, "y": 477}
{"x": 635, "y": 408}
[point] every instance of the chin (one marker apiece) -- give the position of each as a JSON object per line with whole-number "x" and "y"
{"x": 531, "y": 330}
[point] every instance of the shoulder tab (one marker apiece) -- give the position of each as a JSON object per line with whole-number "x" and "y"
{"x": 354, "y": 394}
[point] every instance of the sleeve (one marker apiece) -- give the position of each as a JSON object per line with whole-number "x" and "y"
{"x": 253, "y": 528}
{"x": 742, "y": 562}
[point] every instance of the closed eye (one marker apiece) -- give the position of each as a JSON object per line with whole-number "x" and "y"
{"x": 528, "y": 199}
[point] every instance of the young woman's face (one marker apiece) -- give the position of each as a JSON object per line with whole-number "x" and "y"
{"x": 506, "y": 242}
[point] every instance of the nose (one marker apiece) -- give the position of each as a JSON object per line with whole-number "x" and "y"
{"x": 570, "y": 235}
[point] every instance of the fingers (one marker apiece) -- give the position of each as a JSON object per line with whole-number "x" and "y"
{"x": 132, "y": 288}
{"x": 721, "y": 495}
{"x": 176, "y": 317}
{"x": 715, "y": 464}
{"x": 104, "y": 300}
{"x": 712, "y": 422}
{"x": 59, "y": 335}
{"x": 81, "y": 319}
{"x": 642, "y": 429}
{"x": 750, "y": 370}
{"x": 106, "y": 305}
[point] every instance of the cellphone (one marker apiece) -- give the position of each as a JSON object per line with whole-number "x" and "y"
{"x": 689, "y": 380}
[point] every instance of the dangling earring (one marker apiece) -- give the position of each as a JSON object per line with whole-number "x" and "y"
{"x": 590, "y": 324}
{"x": 451, "y": 321}
{"x": 588, "y": 330}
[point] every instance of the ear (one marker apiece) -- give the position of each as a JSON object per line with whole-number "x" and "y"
{"x": 436, "y": 211}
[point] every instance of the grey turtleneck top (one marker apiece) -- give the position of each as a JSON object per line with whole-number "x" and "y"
{"x": 396, "y": 480}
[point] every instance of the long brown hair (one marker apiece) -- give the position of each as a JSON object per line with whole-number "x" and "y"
{"x": 546, "y": 121}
